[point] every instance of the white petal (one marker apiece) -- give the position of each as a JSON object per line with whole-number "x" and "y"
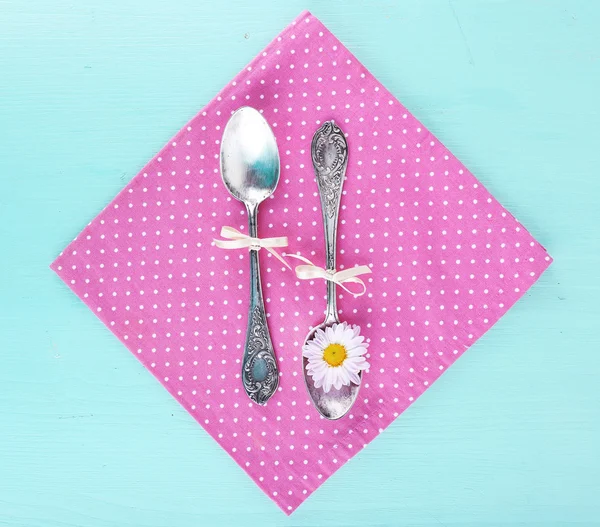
{"x": 319, "y": 344}
{"x": 313, "y": 357}
{"x": 352, "y": 368}
{"x": 313, "y": 354}
{"x": 313, "y": 344}
{"x": 354, "y": 341}
{"x": 338, "y": 333}
{"x": 311, "y": 349}
{"x": 354, "y": 377}
{"x": 356, "y": 352}
{"x": 318, "y": 381}
{"x": 317, "y": 367}
{"x": 343, "y": 373}
{"x": 355, "y": 360}
{"x": 328, "y": 381}
{"x": 320, "y": 338}
{"x": 315, "y": 364}
{"x": 318, "y": 373}
{"x": 337, "y": 380}
{"x": 330, "y": 334}
{"x": 348, "y": 332}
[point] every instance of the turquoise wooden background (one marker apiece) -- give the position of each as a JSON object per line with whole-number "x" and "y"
{"x": 90, "y": 89}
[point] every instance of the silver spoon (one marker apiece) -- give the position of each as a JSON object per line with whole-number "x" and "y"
{"x": 250, "y": 171}
{"x": 329, "y": 152}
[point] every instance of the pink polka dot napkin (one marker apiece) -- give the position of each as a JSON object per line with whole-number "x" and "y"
{"x": 447, "y": 259}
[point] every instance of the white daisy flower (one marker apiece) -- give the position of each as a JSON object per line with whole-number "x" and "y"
{"x": 335, "y": 356}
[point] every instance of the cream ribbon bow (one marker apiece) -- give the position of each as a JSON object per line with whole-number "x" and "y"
{"x": 311, "y": 271}
{"x": 237, "y": 240}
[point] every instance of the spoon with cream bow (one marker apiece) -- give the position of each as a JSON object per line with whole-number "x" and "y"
{"x": 250, "y": 171}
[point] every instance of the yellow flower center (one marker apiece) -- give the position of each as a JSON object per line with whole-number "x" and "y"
{"x": 334, "y": 354}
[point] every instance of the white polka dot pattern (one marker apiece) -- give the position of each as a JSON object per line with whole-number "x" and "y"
{"x": 448, "y": 261}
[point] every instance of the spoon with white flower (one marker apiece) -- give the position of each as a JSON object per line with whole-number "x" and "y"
{"x": 333, "y": 352}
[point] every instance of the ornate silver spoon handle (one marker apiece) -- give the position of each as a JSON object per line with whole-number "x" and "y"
{"x": 260, "y": 375}
{"x": 329, "y": 152}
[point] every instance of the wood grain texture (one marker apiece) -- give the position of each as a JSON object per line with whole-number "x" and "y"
{"x": 90, "y": 90}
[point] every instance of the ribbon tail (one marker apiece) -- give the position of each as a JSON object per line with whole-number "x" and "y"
{"x": 354, "y": 280}
{"x": 231, "y": 233}
{"x": 279, "y": 257}
{"x": 299, "y": 257}
{"x": 350, "y": 275}
{"x": 239, "y": 243}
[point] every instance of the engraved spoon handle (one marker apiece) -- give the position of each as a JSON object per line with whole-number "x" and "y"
{"x": 260, "y": 374}
{"x": 329, "y": 152}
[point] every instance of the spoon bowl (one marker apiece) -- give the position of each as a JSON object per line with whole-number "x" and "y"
{"x": 249, "y": 157}
{"x": 335, "y": 403}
